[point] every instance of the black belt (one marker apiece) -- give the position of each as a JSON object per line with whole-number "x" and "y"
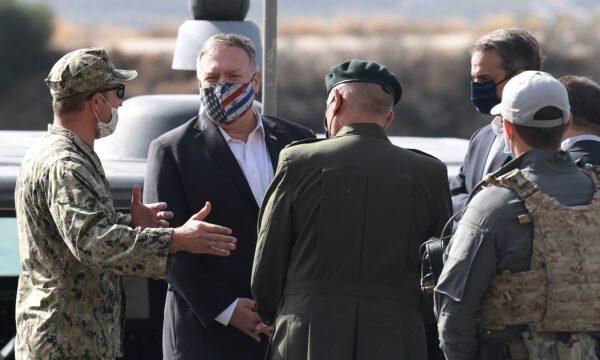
{"x": 407, "y": 293}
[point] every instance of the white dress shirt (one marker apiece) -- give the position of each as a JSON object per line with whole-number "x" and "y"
{"x": 254, "y": 159}
{"x": 573, "y": 139}
{"x": 255, "y": 162}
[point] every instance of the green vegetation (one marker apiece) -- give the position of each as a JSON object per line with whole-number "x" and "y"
{"x": 25, "y": 32}
{"x": 25, "y": 57}
{"x": 429, "y": 56}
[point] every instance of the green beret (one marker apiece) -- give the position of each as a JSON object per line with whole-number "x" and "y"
{"x": 364, "y": 71}
{"x": 85, "y": 70}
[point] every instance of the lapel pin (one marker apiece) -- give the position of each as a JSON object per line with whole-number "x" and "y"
{"x": 273, "y": 137}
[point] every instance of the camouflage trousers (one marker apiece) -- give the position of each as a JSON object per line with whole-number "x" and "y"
{"x": 548, "y": 346}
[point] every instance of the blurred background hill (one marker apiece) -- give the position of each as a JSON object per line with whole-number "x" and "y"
{"x": 425, "y": 42}
{"x": 147, "y": 14}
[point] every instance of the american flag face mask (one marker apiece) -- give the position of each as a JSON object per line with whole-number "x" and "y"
{"x": 225, "y": 102}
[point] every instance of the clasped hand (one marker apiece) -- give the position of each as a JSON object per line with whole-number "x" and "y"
{"x": 246, "y": 320}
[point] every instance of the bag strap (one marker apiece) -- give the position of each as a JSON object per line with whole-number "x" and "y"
{"x": 517, "y": 182}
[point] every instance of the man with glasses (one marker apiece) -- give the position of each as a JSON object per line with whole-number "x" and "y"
{"x": 73, "y": 244}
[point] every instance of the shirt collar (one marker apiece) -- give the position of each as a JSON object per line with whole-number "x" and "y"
{"x": 537, "y": 158}
{"x": 59, "y": 130}
{"x": 85, "y": 147}
{"x": 369, "y": 129}
{"x": 573, "y": 139}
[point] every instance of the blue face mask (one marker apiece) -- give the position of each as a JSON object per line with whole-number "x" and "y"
{"x": 483, "y": 95}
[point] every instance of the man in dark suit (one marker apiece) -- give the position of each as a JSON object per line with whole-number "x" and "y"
{"x": 582, "y": 139}
{"x": 336, "y": 263}
{"x": 495, "y": 58}
{"x": 225, "y": 155}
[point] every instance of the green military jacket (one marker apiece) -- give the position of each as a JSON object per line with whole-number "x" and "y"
{"x": 336, "y": 262}
{"x": 73, "y": 247}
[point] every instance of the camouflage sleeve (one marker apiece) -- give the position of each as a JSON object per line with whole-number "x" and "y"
{"x": 124, "y": 219}
{"x": 88, "y": 224}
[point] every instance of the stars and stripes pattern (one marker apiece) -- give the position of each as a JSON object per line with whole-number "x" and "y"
{"x": 225, "y": 102}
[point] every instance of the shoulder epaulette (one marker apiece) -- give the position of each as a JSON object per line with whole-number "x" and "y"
{"x": 423, "y": 153}
{"x": 303, "y": 141}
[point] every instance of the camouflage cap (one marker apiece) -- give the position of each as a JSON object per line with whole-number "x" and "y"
{"x": 85, "y": 70}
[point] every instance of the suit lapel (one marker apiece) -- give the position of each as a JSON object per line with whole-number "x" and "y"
{"x": 219, "y": 151}
{"x": 275, "y": 140}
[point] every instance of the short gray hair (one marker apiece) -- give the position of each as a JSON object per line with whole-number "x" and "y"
{"x": 518, "y": 49}
{"x": 368, "y": 97}
{"x": 234, "y": 40}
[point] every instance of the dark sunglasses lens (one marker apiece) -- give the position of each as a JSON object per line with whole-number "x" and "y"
{"x": 121, "y": 92}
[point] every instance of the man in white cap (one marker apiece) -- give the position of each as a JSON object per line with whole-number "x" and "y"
{"x": 520, "y": 275}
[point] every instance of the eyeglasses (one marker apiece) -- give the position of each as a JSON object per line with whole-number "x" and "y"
{"x": 120, "y": 91}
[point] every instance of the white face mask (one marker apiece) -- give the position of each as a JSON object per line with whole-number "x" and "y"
{"x": 497, "y": 126}
{"x": 498, "y": 129}
{"x": 105, "y": 129}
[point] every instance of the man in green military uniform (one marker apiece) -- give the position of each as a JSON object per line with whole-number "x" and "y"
{"x": 520, "y": 279}
{"x": 73, "y": 244}
{"x": 336, "y": 264}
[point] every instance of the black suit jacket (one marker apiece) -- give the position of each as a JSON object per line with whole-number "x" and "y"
{"x": 585, "y": 152}
{"x": 187, "y": 167}
{"x": 471, "y": 172}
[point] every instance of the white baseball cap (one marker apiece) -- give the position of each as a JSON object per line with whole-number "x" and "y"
{"x": 527, "y": 93}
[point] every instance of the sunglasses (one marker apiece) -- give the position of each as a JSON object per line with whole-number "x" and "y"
{"x": 120, "y": 91}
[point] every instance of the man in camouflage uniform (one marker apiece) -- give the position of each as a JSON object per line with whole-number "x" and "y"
{"x": 73, "y": 244}
{"x": 520, "y": 275}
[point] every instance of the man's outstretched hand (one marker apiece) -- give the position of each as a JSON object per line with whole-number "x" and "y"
{"x": 197, "y": 236}
{"x": 150, "y": 215}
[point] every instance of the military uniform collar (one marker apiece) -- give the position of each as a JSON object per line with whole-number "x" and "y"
{"x": 368, "y": 129}
{"x": 85, "y": 147}
{"x": 535, "y": 158}
{"x": 538, "y": 157}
